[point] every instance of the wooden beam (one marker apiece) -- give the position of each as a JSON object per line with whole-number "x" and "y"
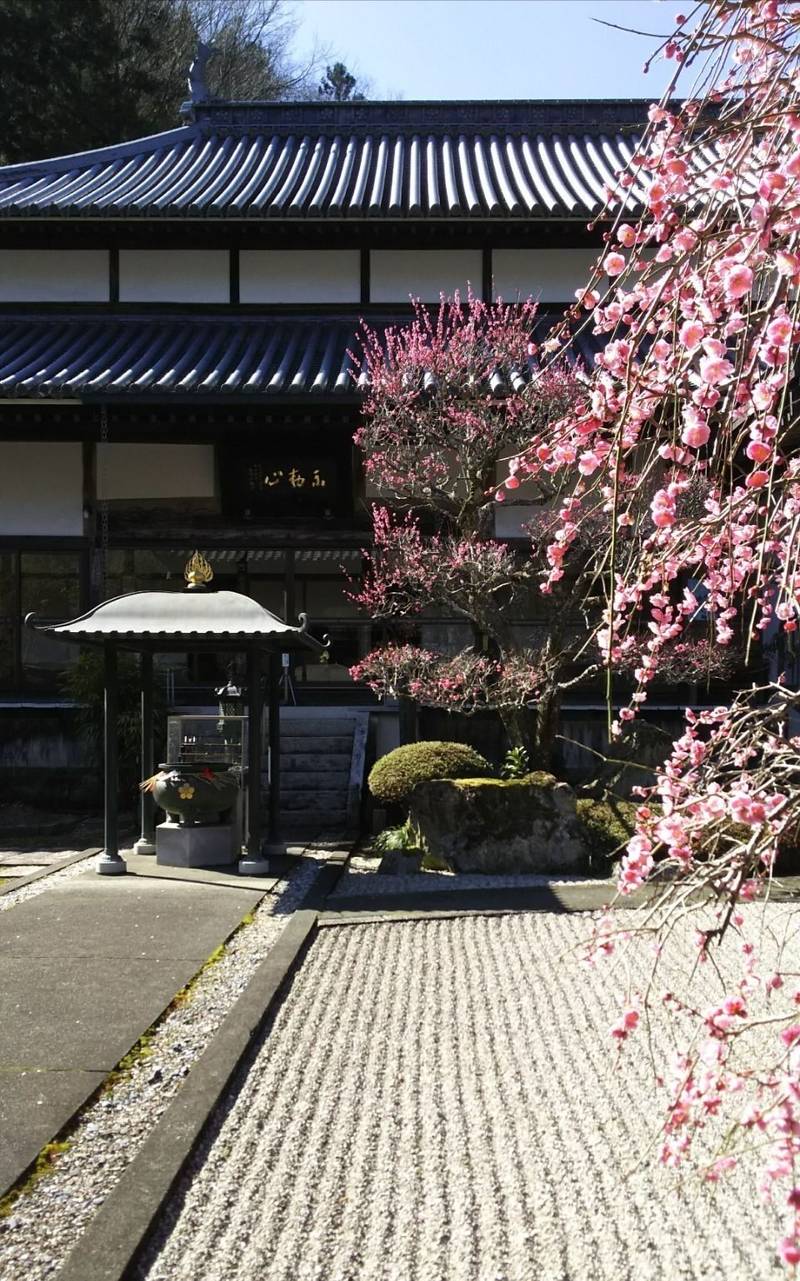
{"x": 275, "y": 667}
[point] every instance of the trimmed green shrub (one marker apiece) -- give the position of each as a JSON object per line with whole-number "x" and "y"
{"x": 394, "y": 777}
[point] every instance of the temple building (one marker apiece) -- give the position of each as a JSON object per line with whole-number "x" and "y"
{"x": 178, "y": 317}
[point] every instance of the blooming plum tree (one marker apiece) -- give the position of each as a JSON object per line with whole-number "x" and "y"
{"x": 697, "y": 381}
{"x": 450, "y": 401}
{"x": 451, "y": 398}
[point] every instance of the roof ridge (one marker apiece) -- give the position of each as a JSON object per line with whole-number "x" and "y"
{"x": 112, "y": 151}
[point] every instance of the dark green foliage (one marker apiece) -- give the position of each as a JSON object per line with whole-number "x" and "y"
{"x": 394, "y": 776}
{"x": 85, "y": 685}
{"x": 339, "y": 84}
{"x": 78, "y": 74}
{"x": 396, "y": 838}
{"x": 516, "y": 764}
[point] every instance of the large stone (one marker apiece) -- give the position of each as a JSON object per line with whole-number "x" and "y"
{"x": 489, "y": 825}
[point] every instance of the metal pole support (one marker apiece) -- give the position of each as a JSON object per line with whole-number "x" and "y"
{"x": 146, "y": 843}
{"x": 254, "y": 864}
{"x": 109, "y": 863}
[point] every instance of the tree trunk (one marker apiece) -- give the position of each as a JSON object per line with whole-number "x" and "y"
{"x": 535, "y": 727}
{"x": 548, "y": 712}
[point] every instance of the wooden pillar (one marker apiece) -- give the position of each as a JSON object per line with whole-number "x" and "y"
{"x": 146, "y": 843}
{"x": 109, "y": 862}
{"x": 253, "y": 864}
{"x": 275, "y": 670}
{"x": 407, "y": 717}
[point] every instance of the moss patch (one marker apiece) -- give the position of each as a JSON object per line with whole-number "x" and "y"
{"x": 609, "y": 824}
{"x": 45, "y": 1163}
{"x": 537, "y": 779}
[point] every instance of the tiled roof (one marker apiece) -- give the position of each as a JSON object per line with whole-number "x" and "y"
{"x": 540, "y": 160}
{"x": 100, "y": 357}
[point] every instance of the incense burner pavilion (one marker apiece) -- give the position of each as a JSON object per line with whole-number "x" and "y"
{"x": 177, "y": 317}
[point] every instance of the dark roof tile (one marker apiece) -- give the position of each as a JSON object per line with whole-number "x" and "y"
{"x": 373, "y": 160}
{"x": 87, "y": 357}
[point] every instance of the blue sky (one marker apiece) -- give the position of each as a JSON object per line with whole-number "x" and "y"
{"x": 491, "y": 48}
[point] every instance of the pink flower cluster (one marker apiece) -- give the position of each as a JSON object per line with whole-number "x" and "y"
{"x": 464, "y": 682}
{"x": 686, "y": 434}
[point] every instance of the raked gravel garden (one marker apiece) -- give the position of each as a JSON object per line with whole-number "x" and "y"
{"x": 438, "y": 1101}
{"x": 431, "y": 1101}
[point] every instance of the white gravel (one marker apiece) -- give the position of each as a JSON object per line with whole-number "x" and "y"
{"x": 362, "y": 877}
{"x": 46, "y": 1222}
{"x": 437, "y": 1101}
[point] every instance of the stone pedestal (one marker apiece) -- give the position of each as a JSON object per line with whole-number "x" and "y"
{"x": 213, "y": 845}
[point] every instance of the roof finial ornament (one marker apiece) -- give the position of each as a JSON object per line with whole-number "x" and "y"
{"x": 198, "y": 573}
{"x": 198, "y": 86}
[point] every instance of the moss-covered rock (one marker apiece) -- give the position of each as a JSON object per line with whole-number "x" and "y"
{"x": 494, "y": 825}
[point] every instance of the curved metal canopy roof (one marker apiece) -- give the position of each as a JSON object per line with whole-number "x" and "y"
{"x": 188, "y": 617}
{"x": 540, "y": 160}
{"x": 102, "y": 357}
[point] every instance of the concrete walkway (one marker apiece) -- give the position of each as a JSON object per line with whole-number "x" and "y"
{"x": 85, "y": 967}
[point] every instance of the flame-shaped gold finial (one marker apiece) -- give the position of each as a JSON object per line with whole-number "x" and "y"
{"x": 198, "y": 572}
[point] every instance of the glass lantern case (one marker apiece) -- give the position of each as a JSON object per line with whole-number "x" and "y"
{"x": 221, "y": 740}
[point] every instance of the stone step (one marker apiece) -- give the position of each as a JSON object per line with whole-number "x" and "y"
{"x": 304, "y": 727}
{"x": 315, "y": 816}
{"x": 320, "y": 744}
{"x": 315, "y": 762}
{"x": 328, "y": 829}
{"x": 308, "y": 781}
{"x": 312, "y": 801}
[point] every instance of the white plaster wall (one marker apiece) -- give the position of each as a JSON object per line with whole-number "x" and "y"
{"x": 423, "y": 273}
{"x": 155, "y": 471}
{"x": 41, "y": 488}
{"x": 53, "y": 275}
{"x": 551, "y": 275}
{"x": 167, "y": 275}
{"x": 299, "y": 275}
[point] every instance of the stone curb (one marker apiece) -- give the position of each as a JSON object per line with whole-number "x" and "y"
{"x": 115, "y": 1236}
{"x": 422, "y": 905}
{"x": 18, "y": 881}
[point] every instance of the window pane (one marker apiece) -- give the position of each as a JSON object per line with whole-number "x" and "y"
{"x": 50, "y": 586}
{"x": 269, "y": 593}
{"x": 325, "y": 598}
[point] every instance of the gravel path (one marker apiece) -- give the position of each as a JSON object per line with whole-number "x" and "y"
{"x": 437, "y": 1101}
{"x": 46, "y": 1222}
